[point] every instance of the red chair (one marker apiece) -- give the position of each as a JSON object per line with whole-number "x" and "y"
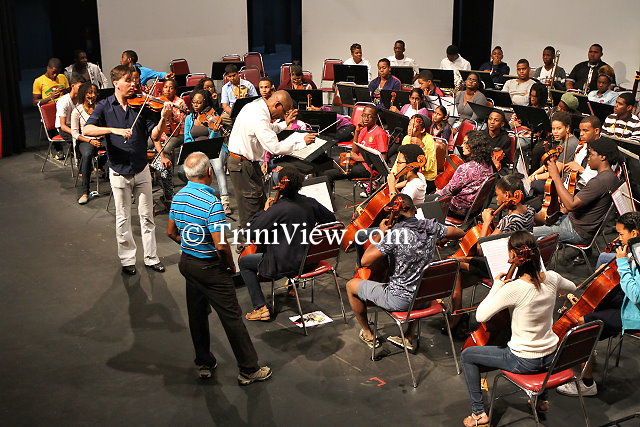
{"x": 179, "y": 67}
{"x": 193, "y": 79}
{"x": 437, "y": 282}
{"x": 254, "y": 59}
{"x": 465, "y": 126}
{"x": 308, "y": 77}
{"x": 186, "y": 97}
{"x": 157, "y": 89}
{"x": 576, "y": 347}
{"x": 320, "y": 249}
{"x": 232, "y": 57}
{"x": 441, "y": 152}
{"x": 327, "y": 73}
{"x": 599, "y": 233}
{"x": 285, "y": 72}
{"x": 251, "y": 73}
{"x": 482, "y": 198}
{"x": 48, "y": 119}
{"x": 513, "y": 146}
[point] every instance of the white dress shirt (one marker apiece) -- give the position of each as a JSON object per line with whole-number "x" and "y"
{"x": 459, "y": 64}
{"x": 404, "y": 62}
{"x": 253, "y": 133}
{"x": 350, "y": 61}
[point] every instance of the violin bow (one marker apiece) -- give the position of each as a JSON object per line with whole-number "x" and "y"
{"x": 166, "y": 141}
{"x": 146, "y": 99}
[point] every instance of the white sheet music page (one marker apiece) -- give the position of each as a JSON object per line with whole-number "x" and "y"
{"x": 622, "y": 200}
{"x": 497, "y": 254}
{"x": 520, "y": 167}
{"x": 303, "y": 153}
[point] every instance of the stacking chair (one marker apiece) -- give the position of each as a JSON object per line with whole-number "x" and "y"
{"x": 479, "y": 203}
{"x": 179, "y": 67}
{"x": 599, "y": 233}
{"x": 95, "y": 162}
{"x": 193, "y": 79}
{"x": 251, "y": 73}
{"x": 254, "y": 59}
{"x": 232, "y": 57}
{"x": 186, "y": 97}
{"x": 441, "y": 152}
{"x": 316, "y": 253}
{"x": 576, "y": 347}
{"x": 437, "y": 282}
{"x": 327, "y": 73}
{"x": 48, "y": 119}
{"x": 465, "y": 126}
{"x": 285, "y": 72}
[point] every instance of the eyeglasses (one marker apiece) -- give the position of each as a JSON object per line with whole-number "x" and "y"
{"x": 368, "y": 116}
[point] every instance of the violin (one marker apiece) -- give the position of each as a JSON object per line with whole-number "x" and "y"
{"x": 496, "y": 157}
{"x": 141, "y": 100}
{"x": 551, "y": 204}
{"x": 346, "y": 161}
{"x": 371, "y": 209}
{"x": 450, "y": 166}
{"x": 253, "y": 248}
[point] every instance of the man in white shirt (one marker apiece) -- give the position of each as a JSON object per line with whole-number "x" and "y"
{"x": 454, "y": 61}
{"x": 357, "y": 59}
{"x": 398, "y": 59}
{"x": 519, "y": 88}
{"x": 64, "y": 107}
{"x": 252, "y": 135}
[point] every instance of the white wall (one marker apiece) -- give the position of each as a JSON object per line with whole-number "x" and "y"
{"x": 201, "y": 31}
{"x": 523, "y": 29}
{"x": 329, "y": 27}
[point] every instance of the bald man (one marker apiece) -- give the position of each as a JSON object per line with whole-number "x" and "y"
{"x": 253, "y": 134}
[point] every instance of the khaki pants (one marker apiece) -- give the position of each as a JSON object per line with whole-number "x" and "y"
{"x": 123, "y": 187}
{"x": 248, "y": 187}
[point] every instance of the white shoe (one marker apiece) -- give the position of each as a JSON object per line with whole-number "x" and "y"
{"x": 363, "y": 194}
{"x": 570, "y": 389}
{"x": 83, "y": 199}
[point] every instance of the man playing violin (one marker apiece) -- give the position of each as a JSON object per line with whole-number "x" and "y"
{"x": 234, "y": 89}
{"x": 126, "y": 132}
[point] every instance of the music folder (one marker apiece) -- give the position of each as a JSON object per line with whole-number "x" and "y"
{"x": 210, "y": 147}
{"x": 357, "y": 74}
{"x": 481, "y": 111}
{"x": 599, "y": 110}
{"x": 443, "y": 78}
{"x": 403, "y": 73}
{"x": 500, "y": 98}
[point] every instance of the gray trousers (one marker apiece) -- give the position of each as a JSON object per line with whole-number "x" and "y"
{"x": 248, "y": 187}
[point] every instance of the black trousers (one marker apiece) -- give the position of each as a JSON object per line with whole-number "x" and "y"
{"x": 357, "y": 171}
{"x": 209, "y": 283}
{"x": 248, "y": 187}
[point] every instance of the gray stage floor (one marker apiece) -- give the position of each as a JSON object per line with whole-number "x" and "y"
{"x": 84, "y": 345}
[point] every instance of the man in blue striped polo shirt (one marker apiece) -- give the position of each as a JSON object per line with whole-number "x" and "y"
{"x": 197, "y": 222}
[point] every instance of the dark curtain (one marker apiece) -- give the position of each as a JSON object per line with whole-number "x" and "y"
{"x": 472, "y": 28}
{"x": 13, "y": 137}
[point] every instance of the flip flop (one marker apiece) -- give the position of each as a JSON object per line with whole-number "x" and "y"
{"x": 368, "y": 342}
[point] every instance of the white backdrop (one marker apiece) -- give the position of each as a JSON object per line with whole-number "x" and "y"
{"x": 201, "y": 31}
{"x": 524, "y": 29}
{"x": 329, "y": 27}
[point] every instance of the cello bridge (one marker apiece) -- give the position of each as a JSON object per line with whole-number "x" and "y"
{"x": 572, "y": 299}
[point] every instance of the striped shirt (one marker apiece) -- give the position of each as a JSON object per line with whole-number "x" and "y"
{"x": 516, "y": 222}
{"x": 622, "y": 128}
{"x": 197, "y": 213}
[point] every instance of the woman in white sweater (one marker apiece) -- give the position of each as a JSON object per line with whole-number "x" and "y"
{"x": 530, "y": 298}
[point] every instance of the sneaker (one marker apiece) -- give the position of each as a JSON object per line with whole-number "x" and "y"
{"x": 83, "y": 200}
{"x": 59, "y": 156}
{"x": 363, "y": 194}
{"x": 206, "y": 371}
{"x": 397, "y": 341}
{"x": 262, "y": 374}
{"x": 570, "y": 389}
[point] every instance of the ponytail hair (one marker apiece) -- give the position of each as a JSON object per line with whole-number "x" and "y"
{"x": 528, "y": 258}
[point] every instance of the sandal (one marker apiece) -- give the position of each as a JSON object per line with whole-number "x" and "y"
{"x": 541, "y": 406}
{"x": 368, "y": 342}
{"x": 397, "y": 341}
{"x": 472, "y": 420}
{"x": 261, "y": 313}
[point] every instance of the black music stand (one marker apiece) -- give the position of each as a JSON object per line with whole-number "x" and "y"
{"x": 319, "y": 120}
{"x": 535, "y": 119}
{"x": 217, "y": 68}
{"x": 300, "y": 96}
{"x": 362, "y": 94}
{"x": 105, "y": 92}
{"x": 443, "y": 78}
{"x": 403, "y": 73}
{"x": 601, "y": 111}
{"x": 583, "y": 101}
{"x": 240, "y": 103}
{"x": 500, "y": 98}
{"x": 357, "y": 74}
{"x": 210, "y": 147}
{"x": 374, "y": 159}
{"x": 402, "y": 98}
{"x": 485, "y": 77}
{"x": 345, "y": 90}
{"x": 481, "y": 111}
{"x": 395, "y": 122}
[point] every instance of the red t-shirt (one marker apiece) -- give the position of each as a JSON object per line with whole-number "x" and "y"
{"x": 376, "y": 138}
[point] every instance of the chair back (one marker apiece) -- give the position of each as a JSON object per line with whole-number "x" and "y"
{"x": 186, "y": 97}
{"x": 254, "y": 59}
{"x": 356, "y": 116}
{"x": 251, "y": 73}
{"x": 327, "y": 69}
{"x": 445, "y": 202}
{"x": 465, "y": 127}
{"x": 179, "y": 66}
{"x": 285, "y": 72}
{"x": 323, "y": 245}
{"x": 482, "y": 196}
{"x": 232, "y": 57}
{"x": 441, "y": 152}
{"x": 157, "y": 89}
{"x": 48, "y": 115}
{"x": 603, "y": 223}
{"x": 512, "y": 153}
{"x": 547, "y": 246}
{"x": 307, "y": 76}
{"x": 437, "y": 281}
{"x": 193, "y": 79}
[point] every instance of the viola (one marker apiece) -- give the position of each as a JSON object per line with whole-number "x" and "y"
{"x": 141, "y": 100}
{"x": 551, "y": 204}
{"x": 496, "y": 157}
{"x": 393, "y": 99}
{"x": 370, "y": 211}
{"x": 346, "y": 161}
{"x": 452, "y": 163}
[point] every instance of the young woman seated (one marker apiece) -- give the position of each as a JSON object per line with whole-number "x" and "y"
{"x": 415, "y": 105}
{"x": 440, "y": 126}
{"x": 417, "y": 135}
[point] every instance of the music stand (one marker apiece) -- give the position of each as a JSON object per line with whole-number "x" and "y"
{"x": 374, "y": 159}
{"x": 402, "y": 98}
{"x": 485, "y": 77}
{"x": 395, "y": 122}
{"x": 105, "y": 92}
{"x": 319, "y": 120}
{"x": 345, "y": 90}
{"x": 210, "y": 147}
{"x": 318, "y": 188}
{"x": 481, "y": 111}
{"x": 404, "y": 74}
{"x": 534, "y": 118}
{"x": 432, "y": 210}
{"x": 362, "y": 94}
{"x": 583, "y": 101}
{"x": 443, "y": 78}
{"x": 240, "y": 103}
{"x": 217, "y": 68}
{"x": 357, "y": 74}
{"x": 300, "y": 97}
{"x": 601, "y": 111}
{"x": 500, "y": 98}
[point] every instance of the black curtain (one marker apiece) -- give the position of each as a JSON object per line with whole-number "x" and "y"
{"x": 472, "y": 30}
{"x": 13, "y": 137}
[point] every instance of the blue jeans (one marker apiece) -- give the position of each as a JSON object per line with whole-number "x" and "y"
{"x": 605, "y": 258}
{"x": 218, "y": 168}
{"x": 499, "y": 358}
{"x": 248, "y": 266}
{"x": 564, "y": 228}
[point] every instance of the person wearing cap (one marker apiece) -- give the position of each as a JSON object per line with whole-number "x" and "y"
{"x": 603, "y": 95}
{"x": 588, "y": 208}
{"x": 454, "y": 61}
{"x": 568, "y": 103}
{"x": 519, "y": 88}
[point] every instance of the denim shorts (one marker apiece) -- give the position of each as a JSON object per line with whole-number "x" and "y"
{"x": 378, "y": 293}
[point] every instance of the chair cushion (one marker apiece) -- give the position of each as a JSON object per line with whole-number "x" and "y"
{"x": 347, "y": 144}
{"x": 57, "y": 138}
{"x": 533, "y": 382}
{"x": 454, "y": 221}
{"x": 322, "y": 267}
{"x": 433, "y": 308}
{"x": 360, "y": 179}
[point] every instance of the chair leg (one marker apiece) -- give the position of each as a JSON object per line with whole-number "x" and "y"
{"x": 313, "y": 288}
{"x": 273, "y": 296}
{"x": 335, "y": 279}
{"x": 586, "y": 258}
{"x": 406, "y": 353}
{"x": 619, "y": 350}
{"x": 534, "y": 402}
{"x": 453, "y": 348}
{"x": 584, "y": 408}
{"x": 606, "y": 360}
{"x": 109, "y": 201}
{"x": 493, "y": 395}
{"x": 295, "y": 290}
{"x": 46, "y": 157}
{"x": 375, "y": 333}
{"x": 473, "y": 295}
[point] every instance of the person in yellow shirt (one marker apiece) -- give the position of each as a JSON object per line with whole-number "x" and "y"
{"x": 417, "y": 134}
{"x": 51, "y": 85}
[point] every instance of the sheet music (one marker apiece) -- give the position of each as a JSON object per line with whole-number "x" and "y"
{"x": 520, "y": 167}
{"x": 496, "y": 253}
{"x": 305, "y": 152}
{"x": 622, "y": 200}
{"x": 419, "y": 214}
{"x": 319, "y": 192}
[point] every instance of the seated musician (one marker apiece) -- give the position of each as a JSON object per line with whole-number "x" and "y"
{"x": 440, "y": 126}
{"x": 411, "y": 242}
{"x": 430, "y": 89}
{"x": 385, "y": 80}
{"x": 499, "y": 137}
{"x": 51, "y": 85}
{"x": 620, "y": 309}
{"x": 496, "y": 67}
{"x": 415, "y": 106}
{"x": 469, "y": 176}
{"x": 399, "y": 59}
{"x": 298, "y": 214}
{"x": 297, "y": 81}
{"x": 208, "y": 84}
{"x": 562, "y": 136}
{"x": 538, "y": 99}
{"x": 130, "y": 58}
{"x": 530, "y": 298}
{"x": 623, "y": 123}
{"x": 544, "y": 73}
{"x": 587, "y": 70}
{"x": 286, "y": 82}
{"x": 417, "y": 135}
{"x": 587, "y": 209}
{"x": 64, "y": 107}
{"x": 603, "y": 95}
{"x": 265, "y": 87}
{"x": 568, "y": 103}
{"x": 470, "y": 94}
{"x": 357, "y": 59}
{"x": 519, "y": 88}
{"x": 369, "y": 134}
{"x": 234, "y": 88}
{"x": 454, "y": 61}
{"x": 86, "y": 146}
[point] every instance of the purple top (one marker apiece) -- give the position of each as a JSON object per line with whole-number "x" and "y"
{"x": 374, "y": 87}
{"x": 342, "y": 120}
{"x": 465, "y": 184}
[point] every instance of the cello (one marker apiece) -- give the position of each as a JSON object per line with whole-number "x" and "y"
{"x": 551, "y": 204}
{"x": 450, "y": 166}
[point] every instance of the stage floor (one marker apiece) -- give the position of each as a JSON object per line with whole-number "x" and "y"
{"x": 83, "y": 344}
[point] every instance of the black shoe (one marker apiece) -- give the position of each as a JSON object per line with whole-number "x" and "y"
{"x": 129, "y": 269}
{"x": 159, "y": 267}
{"x": 579, "y": 260}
